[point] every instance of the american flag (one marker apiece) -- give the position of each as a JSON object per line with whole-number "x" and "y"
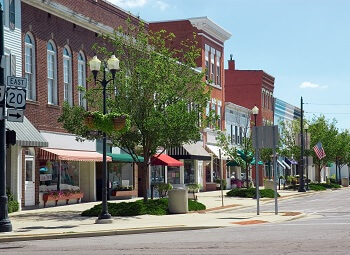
{"x": 318, "y": 149}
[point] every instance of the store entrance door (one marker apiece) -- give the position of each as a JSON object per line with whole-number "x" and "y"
{"x": 29, "y": 181}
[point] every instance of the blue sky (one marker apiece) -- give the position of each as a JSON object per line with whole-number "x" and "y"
{"x": 304, "y": 44}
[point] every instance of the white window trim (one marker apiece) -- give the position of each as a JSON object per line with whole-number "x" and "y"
{"x": 53, "y": 100}
{"x": 33, "y": 74}
{"x": 67, "y": 59}
{"x": 82, "y": 63}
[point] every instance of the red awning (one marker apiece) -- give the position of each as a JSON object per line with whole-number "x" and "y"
{"x": 165, "y": 160}
{"x": 71, "y": 155}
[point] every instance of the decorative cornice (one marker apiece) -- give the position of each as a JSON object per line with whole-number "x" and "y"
{"x": 206, "y": 25}
{"x": 70, "y": 15}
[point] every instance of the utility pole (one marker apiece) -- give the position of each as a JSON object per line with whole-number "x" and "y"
{"x": 5, "y": 223}
{"x": 301, "y": 165}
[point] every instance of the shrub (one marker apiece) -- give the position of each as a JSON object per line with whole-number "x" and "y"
{"x": 163, "y": 188}
{"x": 13, "y": 205}
{"x": 269, "y": 193}
{"x": 152, "y": 207}
{"x": 324, "y": 186}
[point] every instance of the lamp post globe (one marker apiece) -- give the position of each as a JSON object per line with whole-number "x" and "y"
{"x": 255, "y": 112}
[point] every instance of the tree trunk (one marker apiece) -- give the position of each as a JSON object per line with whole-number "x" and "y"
{"x": 145, "y": 180}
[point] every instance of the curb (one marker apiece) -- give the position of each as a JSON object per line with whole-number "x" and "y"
{"x": 17, "y": 238}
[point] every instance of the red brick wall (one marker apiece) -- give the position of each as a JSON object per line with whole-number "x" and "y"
{"x": 183, "y": 30}
{"x": 244, "y": 88}
{"x": 45, "y": 27}
{"x": 100, "y": 11}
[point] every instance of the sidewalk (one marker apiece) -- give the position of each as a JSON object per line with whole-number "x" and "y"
{"x": 65, "y": 221}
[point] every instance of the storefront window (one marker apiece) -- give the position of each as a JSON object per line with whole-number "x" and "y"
{"x": 49, "y": 175}
{"x": 157, "y": 174}
{"x": 174, "y": 175}
{"x": 121, "y": 176}
{"x": 189, "y": 171}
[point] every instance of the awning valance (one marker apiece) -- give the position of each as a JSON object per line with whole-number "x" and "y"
{"x": 26, "y": 134}
{"x": 259, "y": 162}
{"x": 71, "y": 155}
{"x": 124, "y": 157}
{"x": 164, "y": 160}
{"x": 216, "y": 151}
{"x": 189, "y": 151}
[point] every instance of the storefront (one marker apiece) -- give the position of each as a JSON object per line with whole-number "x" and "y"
{"x": 67, "y": 173}
{"x": 166, "y": 169}
{"x": 122, "y": 175}
{"x": 21, "y": 162}
{"x": 197, "y": 162}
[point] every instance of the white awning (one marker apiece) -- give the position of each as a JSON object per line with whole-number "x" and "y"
{"x": 285, "y": 164}
{"x": 281, "y": 164}
{"x": 216, "y": 151}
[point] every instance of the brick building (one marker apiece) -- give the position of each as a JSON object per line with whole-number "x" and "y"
{"x": 57, "y": 39}
{"x": 248, "y": 88}
{"x": 198, "y": 167}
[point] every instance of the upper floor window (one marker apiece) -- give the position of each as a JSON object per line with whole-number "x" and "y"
{"x": 81, "y": 79}
{"x": 12, "y": 14}
{"x": 51, "y": 74}
{"x": 29, "y": 66}
{"x": 67, "y": 76}
{"x": 218, "y": 72}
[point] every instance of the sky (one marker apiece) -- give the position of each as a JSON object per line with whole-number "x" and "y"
{"x": 304, "y": 44}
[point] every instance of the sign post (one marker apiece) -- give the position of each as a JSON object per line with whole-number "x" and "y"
{"x": 5, "y": 223}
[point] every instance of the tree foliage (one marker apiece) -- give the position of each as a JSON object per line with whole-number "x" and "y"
{"x": 157, "y": 86}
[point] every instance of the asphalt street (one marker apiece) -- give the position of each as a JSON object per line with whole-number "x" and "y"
{"x": 325, "y": 230}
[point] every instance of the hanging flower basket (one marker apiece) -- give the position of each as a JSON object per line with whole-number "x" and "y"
{"x": 119, "y": 122}
{"x": 89, "y": 121}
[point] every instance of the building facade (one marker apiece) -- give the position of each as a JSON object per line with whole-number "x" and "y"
{"x": 56, "y": 45}
{"x": 211, "y": 37}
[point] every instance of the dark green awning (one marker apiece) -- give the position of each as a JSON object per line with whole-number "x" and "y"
{"x": 232, "y": 163}
{"x": 124, "y": 157}
{"x": 259, "y": 163}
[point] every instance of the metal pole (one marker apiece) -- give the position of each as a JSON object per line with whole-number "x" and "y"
{"x": 221, "y": 180}
{"x": 275, "y": 169}
{"x": 5, "y": 223}
{"x": 104, "y": 213}
{"x": 301, "y": 186}
{"x": 307, "y": 163}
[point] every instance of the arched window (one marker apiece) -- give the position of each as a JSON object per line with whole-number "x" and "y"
{"x": 29, "y": 66}
{"x": 82, "y": 79}
{"x": 51, "y": 73}
{"x": 67, "y": 76}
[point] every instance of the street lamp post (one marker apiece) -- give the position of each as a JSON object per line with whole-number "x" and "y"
{"x": 306, "y": 127}
{"x": 255, "y": 112}
{"x": 113, "y": 66}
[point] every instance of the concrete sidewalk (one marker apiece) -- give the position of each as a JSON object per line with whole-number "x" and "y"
{"x": 65, "y": 221}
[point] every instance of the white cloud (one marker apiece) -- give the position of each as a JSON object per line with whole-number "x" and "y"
{"x": 129, "y": 3}
{"x": 161, "y": 5}
{"x": 307, "y": 84}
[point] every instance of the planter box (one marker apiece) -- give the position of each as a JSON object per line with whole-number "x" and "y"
{"x": 47, "y": 197}
{"x": 124, "y": 193}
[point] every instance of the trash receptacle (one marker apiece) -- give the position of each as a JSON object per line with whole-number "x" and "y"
{"x": 178, "y": 201}
{"x": 345, "y": 182}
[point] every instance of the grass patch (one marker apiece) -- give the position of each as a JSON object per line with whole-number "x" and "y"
{"x": 152, "y": 207}
{"x": 269, "y": 193}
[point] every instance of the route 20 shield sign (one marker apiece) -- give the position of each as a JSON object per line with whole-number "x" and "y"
{"x": 16, "y": 98}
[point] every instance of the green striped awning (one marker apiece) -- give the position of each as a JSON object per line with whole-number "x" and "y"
{"x": 124, "y": 157}
{"x": 26, "y": 134}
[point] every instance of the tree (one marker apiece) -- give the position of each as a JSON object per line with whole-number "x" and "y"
{"x": 159, "y": 89}
{"x": 324, "y": 131}
{"x": 342, "y": 150}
